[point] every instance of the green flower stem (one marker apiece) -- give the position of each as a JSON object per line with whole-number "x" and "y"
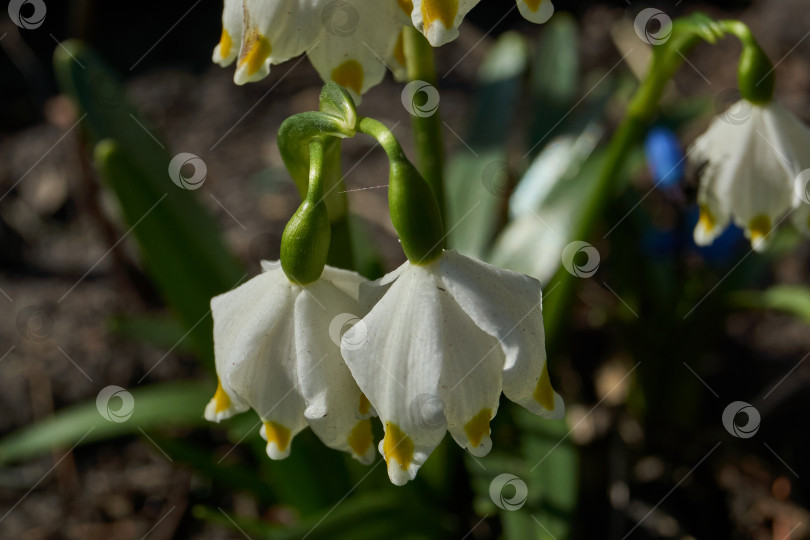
{"x": 411, "y": 202}
{"x": 641, "y": 112}
{"x": 421, "y": 66}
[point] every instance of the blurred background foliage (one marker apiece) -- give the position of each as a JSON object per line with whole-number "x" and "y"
{"x": 647, "y": 353}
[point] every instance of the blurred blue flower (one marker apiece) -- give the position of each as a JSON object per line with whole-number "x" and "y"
{"x": 664, "y": 157}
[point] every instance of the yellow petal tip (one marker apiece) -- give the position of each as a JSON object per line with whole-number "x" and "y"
{"x": 225, "y": 44}
{"x": 478, "y": 427}
{"x": 397, "y": 446}
{"x": 278, "y": 439}
{"x": 364, "y": 406}
{"x": 543, "y": 392}
{"x": 256, "y": 50}
{"x": 759, "y": 228}
{"x": 439, "y": 10}
{"x": 706, "y": 221}
{"x": 349, "y": 74}
{"x": 360, "y": 438}
{"x": 221, "y": 399}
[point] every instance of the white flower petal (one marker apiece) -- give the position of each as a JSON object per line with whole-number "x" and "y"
{"x": 536, "y": 11}
{"x": 347, "y": 281}
{"x": 227, "y": 49}
{"x": 358, "y": 39}
{"x": 253, "y": 335}
{"x": 439, "y": 20}
{"x": 750, "y": 171}
{"x": 396, "y": 359}
{"x": 273, "y": 32}
{"x": 372, "y": 291}
{"x": 471, "y": 379}
{"x": 791, "y": 136}
{"x": 507, "y": 305}
{"x": 763, "y": 188}
{"x": 336, "y": 409}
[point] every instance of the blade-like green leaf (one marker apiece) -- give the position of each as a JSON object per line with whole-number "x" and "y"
{"x": 179, "y": 240}
{"x": 479, "y": 176}
{"x": 159, "y": 330}
{"x": 178, "y": 264}
{"x": 554, "y": 79}
{"x": 791, "y": 299}
{"x": 367, "y": 515}
{"x": 173, "y": 404}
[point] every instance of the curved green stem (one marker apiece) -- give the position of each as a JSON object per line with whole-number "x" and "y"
{"x": 421, "y": 66}
{"x": 383, "y": 135}
{"x": 641, "y": 111}
{"x": 411, "y": 202}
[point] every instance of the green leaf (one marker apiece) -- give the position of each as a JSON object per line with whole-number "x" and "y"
{"x": 361, "y": 516}
{"x": 553, "y": 478}
{"x": 162, "y": 331}
{"x": 158, "y": 406}
{"x": 173, "y": 255}
{"x": 180, "y": 242}
{"x": 791, "y": 299}
{"x": 478, "y": 178}
{"x": 555, "y": 79}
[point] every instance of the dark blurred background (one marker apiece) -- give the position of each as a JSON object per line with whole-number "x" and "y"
{"x": 59, "y": 339}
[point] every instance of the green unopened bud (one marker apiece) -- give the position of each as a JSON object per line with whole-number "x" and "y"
{"x": 305, "y": 243}
{"x": 414, "y": 213}
{"x": 755, "y": 74}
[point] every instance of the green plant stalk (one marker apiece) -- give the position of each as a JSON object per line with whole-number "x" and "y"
{"x": 641, "y": 111}
{"x": 421, "y": 66}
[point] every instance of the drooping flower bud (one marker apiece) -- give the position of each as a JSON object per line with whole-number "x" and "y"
{"x": 755, "y": 74}
{"x": 305, "y": 242}
{"x": 414, "y": 213}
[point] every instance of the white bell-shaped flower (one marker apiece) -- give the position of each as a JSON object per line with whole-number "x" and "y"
{"x": 751, "y": 156}
{"x": 348, "y": 41}
{"x": 440, "y": 344}
{"x": 276, "y": 347}
{"x": 439, "y": 20}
